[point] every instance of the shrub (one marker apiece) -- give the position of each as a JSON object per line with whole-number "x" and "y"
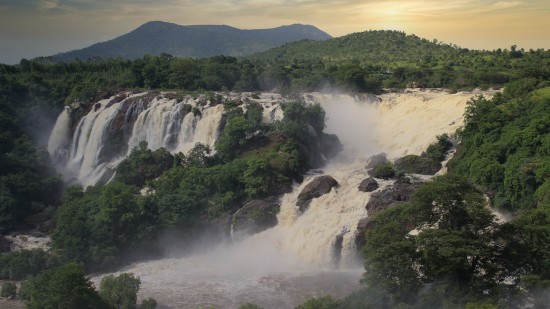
{"x": 383, "y": 170}
{"x": 8, "y": 290}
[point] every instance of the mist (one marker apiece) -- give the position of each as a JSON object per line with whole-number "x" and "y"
{"x": 310, "y": 253}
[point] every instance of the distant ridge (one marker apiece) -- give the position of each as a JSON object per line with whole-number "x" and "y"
{"x": 158, "y": 37}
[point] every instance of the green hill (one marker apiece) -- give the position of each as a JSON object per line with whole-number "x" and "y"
{"x": 374, "y": 47}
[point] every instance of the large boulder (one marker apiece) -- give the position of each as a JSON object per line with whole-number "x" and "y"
{"x": 414, "y": 164}
{"x": 398, "y": 192}
{"x": 375, "y": 160}
{"x": 317, "y": 187}
{"x": 330, "y": 145}
{"x": 368, "y": 185}
{"x": 256, "y": 216}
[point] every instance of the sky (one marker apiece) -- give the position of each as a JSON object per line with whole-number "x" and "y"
{"x": 31, "y": 28}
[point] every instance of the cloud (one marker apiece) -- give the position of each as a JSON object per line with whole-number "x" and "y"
{"x": 54, "y": 6}
{"x": 501, "y": 5}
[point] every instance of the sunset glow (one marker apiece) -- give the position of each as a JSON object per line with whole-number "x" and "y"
{"x": 30, "y": 28}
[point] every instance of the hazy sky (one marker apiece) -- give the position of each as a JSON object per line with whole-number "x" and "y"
{"x": 30, "y": 28}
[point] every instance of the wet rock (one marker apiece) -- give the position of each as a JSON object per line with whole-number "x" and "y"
{"x": 362, "y": 226}
{"x": 375, "y": 160}
{"x": 414, "y": 164}
{"x": 368, "y": 185}
{"x": 319, "y": 186}
{"x": 256, "y": 216}
{"x": 337, "y": 246}
{"x": 398, "y": 192}
{"x": 330, "y": 145}
{"x": 337, "y": 249}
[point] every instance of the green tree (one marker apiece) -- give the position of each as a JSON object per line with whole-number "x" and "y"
{"x": 65, "y": 287}
{"x": 120, "y": 291}
{"x": 454, "y": 248}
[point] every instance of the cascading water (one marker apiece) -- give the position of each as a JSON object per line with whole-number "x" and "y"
{"x": 114, "y": 126}
{"x": 311, "y": 253}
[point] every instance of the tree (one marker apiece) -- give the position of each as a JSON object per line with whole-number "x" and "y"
{"x": 325, "y": 302}
{"x": 8, "y": 290}
{"x": 120, "y": 291}
{"x": 149, "y": 303}
{"x": 65, "y": 287}
{"x": 453, "y": 255}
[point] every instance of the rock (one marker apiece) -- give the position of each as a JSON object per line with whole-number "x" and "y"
{"x": 368, "y": 185}
{"x": 414, "y": 164}
{"x": 375, "y": 160}
{"x": 398, "y": 192}
{"x": 256, "y": 216}
{"x": 337, "y": 249}
{"x": 4, "y": 245}
{"x": 362, "y": 226}
{"x": 337, "y": 246}
{"x": 330, "y": 145}
{"x": 317, "y": 187}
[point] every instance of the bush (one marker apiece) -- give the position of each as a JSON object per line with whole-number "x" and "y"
{"x": 325, "y": 302}
{"x": 383, "y": 170}
{"x": 149, "y": 303}
{"x": 437, "y": 151}
{"x": 65, "y": 287}
{"x": 8, "y": 290}
{"x": 249, "y": 306}
{"x": 120, "y": 291}
{"x": 21, "y": 264}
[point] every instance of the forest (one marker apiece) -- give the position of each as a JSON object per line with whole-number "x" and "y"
{"x": 460, "y": 258}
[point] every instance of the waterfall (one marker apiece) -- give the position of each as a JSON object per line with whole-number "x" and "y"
{"x": 113, "y": 127}
{"x": 306, "y": 254}
{"x": 60, "y": 137}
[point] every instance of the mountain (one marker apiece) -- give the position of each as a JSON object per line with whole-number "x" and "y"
{"x": 158, "y": 37}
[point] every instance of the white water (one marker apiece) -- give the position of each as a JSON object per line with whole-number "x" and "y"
{"x": 159, "y": 121}
{"x": 282, "y": 266}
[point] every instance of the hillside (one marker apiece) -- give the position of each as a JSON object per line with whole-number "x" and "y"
{"x": 374, "y": 47}
{"x": 158, "y": 37}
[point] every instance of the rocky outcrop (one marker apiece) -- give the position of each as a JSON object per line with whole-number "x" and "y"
{"x": 414, "y": 164}
{"x": 317, "y": 187}
{"x": 330, "y": 145}
{"x": 368, "y": 185}
{"x": 256, "y": 216}
{"x": 362, "y": 226}
{"x": 375, "y": 160}
{"x": 398, "y": 192}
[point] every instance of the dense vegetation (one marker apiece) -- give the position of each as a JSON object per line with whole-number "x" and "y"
{"x": 186, "y": 193}
{"x": 457, "y": 255}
